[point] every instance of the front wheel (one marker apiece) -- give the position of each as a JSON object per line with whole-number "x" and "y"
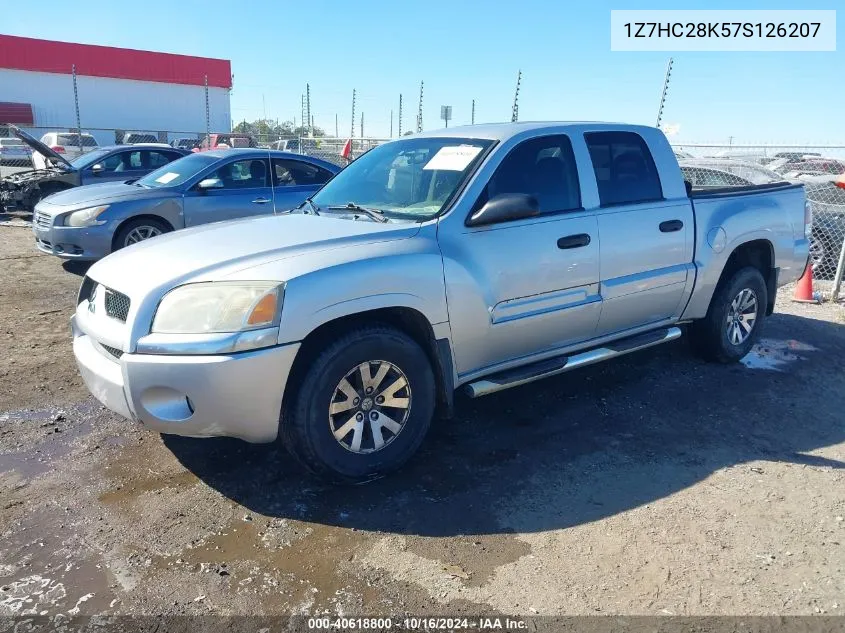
{"x": 138, "y": 230}
{"x": 362, "y": 407}
{"x": 734, "y": 319}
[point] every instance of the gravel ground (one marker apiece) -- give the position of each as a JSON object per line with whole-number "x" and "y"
{"x": 656, "y": 484}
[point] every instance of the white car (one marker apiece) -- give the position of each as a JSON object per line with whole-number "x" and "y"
{"x": 65, "y": 143}
{"x": 14, "y": 153}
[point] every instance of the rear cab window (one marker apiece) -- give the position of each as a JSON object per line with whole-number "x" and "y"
{"x": 624, "y": 168}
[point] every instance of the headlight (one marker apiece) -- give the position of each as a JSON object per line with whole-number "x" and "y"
{"x": 213, "y": 307}
{"x": 86, "y": 217}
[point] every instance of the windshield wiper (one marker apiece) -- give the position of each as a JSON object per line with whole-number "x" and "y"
{"x": 373, "y": 214}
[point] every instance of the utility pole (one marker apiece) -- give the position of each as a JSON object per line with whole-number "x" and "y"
{"x": 308, "y": 109}
{"x": 362, "y": 125}
{"x": 400, "y": 114}
{"x": 515, "y": 111}
{"x": 420, "y": 111}
{"x": 352, "y": 132}
{"x": 472, "y": 120}
{"x": 664, "y": 92}
{"x": 207, "y": 109}
{"x": 76, "y": 105}
{"x": 302, "y": 119}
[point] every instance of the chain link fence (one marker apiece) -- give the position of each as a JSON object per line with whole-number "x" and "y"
{"x": 16, "y": 156}
{"x": 820, "y": 168}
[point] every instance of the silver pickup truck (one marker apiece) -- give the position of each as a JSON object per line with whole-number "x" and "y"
{"x": 480, "y": 257}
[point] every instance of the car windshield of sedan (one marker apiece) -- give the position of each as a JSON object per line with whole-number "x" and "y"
{"x": 175, "y": 173}
{"x": 410, "y": 179}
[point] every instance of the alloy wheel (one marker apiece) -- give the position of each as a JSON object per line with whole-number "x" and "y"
{"x": 370, "y": 406}
{"x": 742, "y": 315}
{"x": 141, "y": 233}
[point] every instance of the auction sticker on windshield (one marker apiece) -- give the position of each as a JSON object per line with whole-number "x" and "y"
{"x": 453, "y": 158}
{"x": 166, "y": 178}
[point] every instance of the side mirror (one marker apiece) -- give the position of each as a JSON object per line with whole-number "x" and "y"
{"x": 210, "y": 183}
{"x": 505, "y": 207}
{"x": 97, "y": 168}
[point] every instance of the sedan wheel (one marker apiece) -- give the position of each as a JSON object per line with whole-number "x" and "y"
{"x": 141, "y": 233}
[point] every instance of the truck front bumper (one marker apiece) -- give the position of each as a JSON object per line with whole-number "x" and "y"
{"x": 232, "y": 395}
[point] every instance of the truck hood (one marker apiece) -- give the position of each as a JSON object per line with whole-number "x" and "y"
{"x": 41, "y": 148}
{"x": 211, "y": 251}
{"x": 92, "y": 195}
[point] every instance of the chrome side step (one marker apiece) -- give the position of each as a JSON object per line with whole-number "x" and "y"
{"x": 553, "y": 366}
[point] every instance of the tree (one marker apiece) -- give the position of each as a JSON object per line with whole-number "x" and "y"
{"x": 270, "y": 130}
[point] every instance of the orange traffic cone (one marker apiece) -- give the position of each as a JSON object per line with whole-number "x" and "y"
{"x": 804, "y": 289}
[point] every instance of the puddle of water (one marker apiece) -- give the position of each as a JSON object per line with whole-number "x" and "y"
{"x": 773, "y": 355}
{"x": 43, "y": 577}
{"x": 52, "y": 434}
{"x": 283, "y": 562}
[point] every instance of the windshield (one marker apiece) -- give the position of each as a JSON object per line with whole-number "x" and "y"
{"x": 175, "y": 173}
{"x": 89, "y": 158}
{"x": 410, "y": 178}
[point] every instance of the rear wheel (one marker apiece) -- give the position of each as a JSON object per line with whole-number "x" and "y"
{"x": 138, "y": 230}
{"x": 733, "y": 321}
{"x": 362, "y": 407}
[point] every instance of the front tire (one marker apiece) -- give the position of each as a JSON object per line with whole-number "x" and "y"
{"x": 362, "y": 407}
{"x": 138, "y": 230}
{"x": 734, "y": 319}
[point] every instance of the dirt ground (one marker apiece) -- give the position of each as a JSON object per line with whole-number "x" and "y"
{"x": 656, "y": 484}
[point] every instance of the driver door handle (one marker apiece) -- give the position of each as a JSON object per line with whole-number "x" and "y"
{"x": 670, "y": 226}
{"x": 573, "y": 241}
{"x": 261, "y": 200}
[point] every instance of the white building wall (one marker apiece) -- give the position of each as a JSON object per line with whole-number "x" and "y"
{"x": 110, "y": 104}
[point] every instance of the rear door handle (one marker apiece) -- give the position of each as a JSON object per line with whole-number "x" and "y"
{"x": 261, "y": 200}
{"x": 670, "y": 226}
{"x": 574, "y": 241}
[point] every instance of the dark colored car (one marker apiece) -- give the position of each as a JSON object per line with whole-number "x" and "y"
{"x": 104, "y": 164}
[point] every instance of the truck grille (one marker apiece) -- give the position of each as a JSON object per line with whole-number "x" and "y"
{"x": 112, "y": 350}
{"x": 117, "y": 305}
{"x": 43, "y": 220}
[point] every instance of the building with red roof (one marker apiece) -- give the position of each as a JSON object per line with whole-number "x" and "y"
{"x": 117, "y": 89}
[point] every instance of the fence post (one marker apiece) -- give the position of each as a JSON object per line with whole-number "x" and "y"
{"x": 837, "y": 278}
{"x": 207, "y": 115}
{"x": 76, "y": 106}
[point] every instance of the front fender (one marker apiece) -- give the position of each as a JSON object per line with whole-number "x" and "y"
{"x": 403, "y": 273}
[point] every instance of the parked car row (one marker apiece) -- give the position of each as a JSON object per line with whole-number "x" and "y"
{"x": 64, "y": 170}
{"x": 90, "y": 222}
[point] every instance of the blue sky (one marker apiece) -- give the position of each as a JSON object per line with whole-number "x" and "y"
{"x": 468, "y": 50}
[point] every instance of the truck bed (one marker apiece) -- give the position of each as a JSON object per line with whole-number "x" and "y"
{"x": 739, "y": 190}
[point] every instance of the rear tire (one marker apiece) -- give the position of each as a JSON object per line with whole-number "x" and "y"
{"x": 346, "y": 429}
{"x": 734, "y": 319}
{"x": 139, "y": 230}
